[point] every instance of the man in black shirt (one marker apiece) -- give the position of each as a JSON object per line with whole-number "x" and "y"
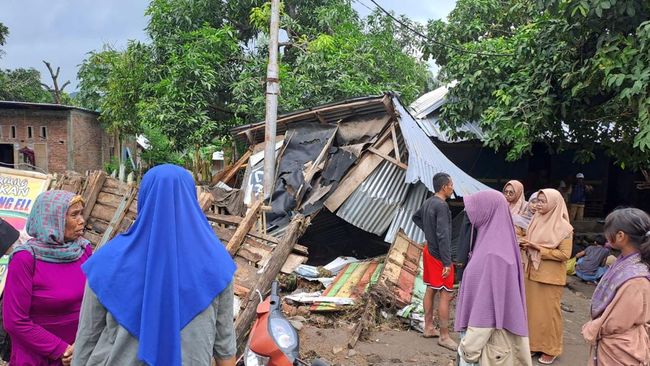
{"x": 434, "y": 218}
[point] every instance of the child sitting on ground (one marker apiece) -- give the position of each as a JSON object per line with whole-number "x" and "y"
{"x": 591, "y": 265}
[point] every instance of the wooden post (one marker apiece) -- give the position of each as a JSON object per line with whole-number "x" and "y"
{"x": 244, "y": 227}
{"x": 272, "y": 92}
{"x": 275, "y": 263}
{"x": 92, "y": 192}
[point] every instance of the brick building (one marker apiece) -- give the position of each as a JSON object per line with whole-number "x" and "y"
{"x": 53, "y": 138}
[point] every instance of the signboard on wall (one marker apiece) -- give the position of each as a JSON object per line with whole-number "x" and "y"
{"x": 18, "y": 192}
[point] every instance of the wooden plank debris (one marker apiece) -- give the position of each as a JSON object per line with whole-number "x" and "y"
{"x": 229, "y": 220}
{"x": 243, "y": 228}
{"x": 94, "y": 187}
{"x": 119, "y": 215}
{"x": 388, "y": 158}
{"x": 228, "y": 174}
{"x": 245, "y": 319}
{"x": 395, "y": 144}
{"x": 400, "y": 271}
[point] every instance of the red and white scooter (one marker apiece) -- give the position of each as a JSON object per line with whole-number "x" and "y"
{"x": 273, "y": 341}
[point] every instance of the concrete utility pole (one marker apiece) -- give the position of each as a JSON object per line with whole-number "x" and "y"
{"x": 272, "y": 92}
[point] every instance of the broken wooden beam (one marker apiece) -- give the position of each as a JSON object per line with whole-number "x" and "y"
{"x": 244, "y": 227}
{"x": 279, "y": 256}
{"x": 229, "y": 173}
{"x": 388, "y": 158}
{"x": 230, "y": 220}
{"x": 120, "y": 213}
{"x": 395, "y": 144}
{"x": 96, "y": 182}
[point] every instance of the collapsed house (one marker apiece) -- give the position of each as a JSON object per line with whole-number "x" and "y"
{"x": 349, "y": 177}
{"x": 366, "y": 161}
{"x": 357, "y": 170}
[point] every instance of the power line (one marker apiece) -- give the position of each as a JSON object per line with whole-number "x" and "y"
{"x": 364, "y": 5}
{"x": 415, "y": 31}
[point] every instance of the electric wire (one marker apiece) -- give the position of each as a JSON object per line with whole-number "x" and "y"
{"x": 418, "y": 33}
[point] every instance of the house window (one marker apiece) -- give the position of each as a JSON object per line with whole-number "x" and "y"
{"x": 13, "y": 132}
{"x": 43, "y": 132}
{"x": 30, "y": 132}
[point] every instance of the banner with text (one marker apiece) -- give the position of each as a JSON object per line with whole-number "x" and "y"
{"x": 18, "y": 191}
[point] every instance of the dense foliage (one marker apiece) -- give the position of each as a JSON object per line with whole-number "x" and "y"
{"x": 204, "y": 70}
{"x": 557, "y": 71}
{"x": 23, "y": 85}
{"x": 4, "y": 31}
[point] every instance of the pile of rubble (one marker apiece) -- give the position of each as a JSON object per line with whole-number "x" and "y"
{"x": 349, "y": 177}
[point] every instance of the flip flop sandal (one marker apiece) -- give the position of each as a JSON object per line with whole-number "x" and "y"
{"x": 567, "y": 308}
{"x": 546, "y": 362}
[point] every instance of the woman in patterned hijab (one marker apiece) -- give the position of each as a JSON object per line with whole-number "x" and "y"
{"x": 45, "y": 283}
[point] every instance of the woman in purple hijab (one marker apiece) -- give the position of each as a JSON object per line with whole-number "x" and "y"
{"x": 491, "y": 309}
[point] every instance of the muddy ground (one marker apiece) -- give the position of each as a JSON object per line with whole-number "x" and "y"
{"x": 392, "y": 344}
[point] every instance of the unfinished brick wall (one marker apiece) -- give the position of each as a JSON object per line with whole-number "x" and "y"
{"x": 87, "y": 134}
{"x": 58, "y": 147}
{"x": 54, "y": 141}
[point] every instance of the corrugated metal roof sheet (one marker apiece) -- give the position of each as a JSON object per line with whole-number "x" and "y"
{"x": 425, "y": 108}
{"x": 417, "y": 194}
{"x": 328, "y": 113}
{"x": 429, "y": 102}
{"x": 425, "y": 159}
{"x": 373, "y": 204}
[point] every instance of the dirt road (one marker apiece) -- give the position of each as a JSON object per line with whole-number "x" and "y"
{"x": 399, "y": 347}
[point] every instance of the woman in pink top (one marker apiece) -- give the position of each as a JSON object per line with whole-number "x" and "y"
{"x": 45, "y": 284}
{"x": 620, "y": 306}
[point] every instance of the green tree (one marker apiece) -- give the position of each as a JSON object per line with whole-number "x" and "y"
{"x": 94, "y": 75}
{"x": 556, "y": 71}
{"x": 340, "y": 56}
{"x": 4, "y": 32}
{"x": 187, "y": 102}
{"x": 204, "y": 70}
{"x": 23, "y": 85}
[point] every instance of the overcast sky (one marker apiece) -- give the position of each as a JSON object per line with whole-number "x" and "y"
{"x": 63, "y": 31}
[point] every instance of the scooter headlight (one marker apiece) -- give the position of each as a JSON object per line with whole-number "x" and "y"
{"x": 253, "y": 359}
{"x": 284, "y": 335}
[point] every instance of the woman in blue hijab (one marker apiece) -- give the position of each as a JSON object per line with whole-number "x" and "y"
{"x": 160, "y": 294}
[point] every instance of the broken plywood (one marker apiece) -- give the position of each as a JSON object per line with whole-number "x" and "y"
{"x": 401, "y": 269}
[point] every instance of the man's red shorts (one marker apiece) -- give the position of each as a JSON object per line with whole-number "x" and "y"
{"x": 432, "y": 275}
